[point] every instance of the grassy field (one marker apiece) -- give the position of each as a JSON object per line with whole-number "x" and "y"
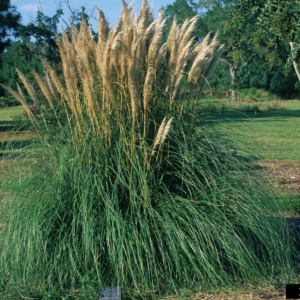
{"x": 268, "y": 132}
{"x": 7, "y": 114}
{"x": 12, "y": 139}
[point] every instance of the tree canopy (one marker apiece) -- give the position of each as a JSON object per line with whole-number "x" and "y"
{"x": 261, "y": 40}
{"x": 9, "y": 22}
{"x": 35, "y": 40}
{"x": 274, "y": 22}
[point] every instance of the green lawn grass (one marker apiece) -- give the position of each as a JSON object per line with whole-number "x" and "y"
{"x": 7, "y": 114}
{"x": 13, "y": 139}
{"x": 269, "y": 134}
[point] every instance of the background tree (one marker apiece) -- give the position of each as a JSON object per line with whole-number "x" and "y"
{"x": 77, "y": 16}
{"x": 18, "y": 56}
{"x": 9, "y": 22}
{"x": 258, "y": 41}
{"x": 40, "y": 34}
{"x": 182, "y": 10}
{"x": 36, "y": 40}
{"x": 277, "y": 27}
{"x": 212, "y": 16}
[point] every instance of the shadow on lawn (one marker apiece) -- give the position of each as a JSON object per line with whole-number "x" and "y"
{"x": 14, "y": 141}
{"x": 237, "y": 116}
{"x": 15, "y": 144}
{"x": 13, "y": 125}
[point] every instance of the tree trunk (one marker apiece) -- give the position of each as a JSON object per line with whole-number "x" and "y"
{"x": 233, "y": 83}
{"x": 294, "y": 62}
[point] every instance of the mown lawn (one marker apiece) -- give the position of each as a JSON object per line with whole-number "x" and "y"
{"x": 13, "y": 138}
{"x": 7, "y": 114}
{"x": 270, "y": 133}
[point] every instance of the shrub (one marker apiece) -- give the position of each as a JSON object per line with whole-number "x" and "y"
{"x": 249, "y": 108}
{"x": 8, "y": 101}
{"x": 127, "y": 189}
{"x": 276, "y": 105}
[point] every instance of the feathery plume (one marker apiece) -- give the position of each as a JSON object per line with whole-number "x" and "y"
{"x": 103, "y": 28}
{"x": 28, "y": 87}
{"x": 44, "y": 88}
{"x": 159, "y": 134}
{"x": 166, "y": 130}
{"x": 51, "y": 86}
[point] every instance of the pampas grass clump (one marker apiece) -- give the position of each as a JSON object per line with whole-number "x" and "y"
{"x": 126, "y": 190}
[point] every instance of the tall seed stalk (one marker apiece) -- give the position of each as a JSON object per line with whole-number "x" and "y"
{"x": 128, "y": 73}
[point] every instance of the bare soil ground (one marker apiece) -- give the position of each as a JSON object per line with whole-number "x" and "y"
{"x": 16, "y": 135}
{"x": 256, "y": 294}
{"x": 283, "y": 174}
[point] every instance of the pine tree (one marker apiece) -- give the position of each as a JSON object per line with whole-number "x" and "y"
{"x": 9, "y": 21}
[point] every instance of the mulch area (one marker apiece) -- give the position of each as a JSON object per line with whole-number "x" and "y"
{"x": 255, "y": 293}
{"x": 13, "y": 135}
{"x": 284, "y": 175}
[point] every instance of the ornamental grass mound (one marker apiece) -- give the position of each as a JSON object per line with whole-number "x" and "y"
{"x": 127, "y": 188}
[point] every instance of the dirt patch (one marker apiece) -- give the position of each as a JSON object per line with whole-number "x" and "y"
{"x": 6, "y": 136}
{"x": 256, "y": 293}
{"x": 283, "y": 174}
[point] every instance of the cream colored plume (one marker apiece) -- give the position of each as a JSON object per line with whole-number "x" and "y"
{"x": 126, "y": 72}
{"x": 162, "y": 133}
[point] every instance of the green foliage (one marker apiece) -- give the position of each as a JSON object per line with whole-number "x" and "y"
{"x": 106, "y": 215}
{"x": 18, "y": 55}
{"x": 274, "y": 22}
{"x": 246, "y": 37}
{"x": 39, "y": 35}
{"x": 126, "y": 186}
{"x": 220, "y": 78}
{"x": 8, "y": 101}
{"x": 9, "y": 21}
{"x": 276, "y": 80}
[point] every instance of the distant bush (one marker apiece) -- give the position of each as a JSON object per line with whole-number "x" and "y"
{"x": 255, "y": 94}
{"x": 246, "y": 107}
{"x": 213, "y": 107}
{"x": 276, "y": 105}
{"x": 8, "y": 101}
